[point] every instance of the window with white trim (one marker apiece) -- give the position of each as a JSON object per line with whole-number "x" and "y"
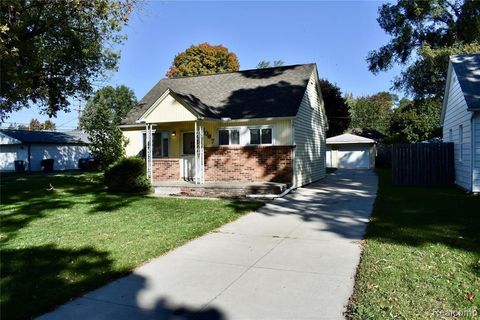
{"x": 160, "y": 143}
{"x": 260, "y": 135}
{"x": 228, "y": 137}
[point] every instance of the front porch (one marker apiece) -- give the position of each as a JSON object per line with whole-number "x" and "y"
{"x": 218, "y": 189}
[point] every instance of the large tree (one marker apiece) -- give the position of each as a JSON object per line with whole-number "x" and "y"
{"x": 100, "y": 120}
{"x": 415, "y": 121}
{"x": 373, "y": 111}
{"x": 51, "y": 50}
{"x": 423, "y": 35}
{"x": 336, "y": 108}
{"x": 203, "y": 59}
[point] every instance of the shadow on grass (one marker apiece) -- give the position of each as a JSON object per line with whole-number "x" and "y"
{"x": 419, "y": 216}
{"x": 35, "y": 280}
{"x": 31, "y": 197}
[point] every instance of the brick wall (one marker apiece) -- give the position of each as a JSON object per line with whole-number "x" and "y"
{"x": 166, "y": 169}
{"x": 252, "y": 163}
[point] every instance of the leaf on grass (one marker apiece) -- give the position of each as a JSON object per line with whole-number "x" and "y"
{"x": 469, "y": 296}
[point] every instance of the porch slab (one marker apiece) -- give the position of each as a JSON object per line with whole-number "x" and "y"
{"x": 218, "y": 189}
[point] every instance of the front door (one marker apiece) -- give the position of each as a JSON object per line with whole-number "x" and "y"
{"x": 187, "y": 167}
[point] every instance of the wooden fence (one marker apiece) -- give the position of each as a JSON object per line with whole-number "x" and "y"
{"x": 423, "y": 164}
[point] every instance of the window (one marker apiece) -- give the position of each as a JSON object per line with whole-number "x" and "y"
{"x": 450, "y": 135}
{"x": 460, "y": 141}
{"x": 160, "y": 143}
{"x": 261, "y": 136}
{"x": 228, "y": 136}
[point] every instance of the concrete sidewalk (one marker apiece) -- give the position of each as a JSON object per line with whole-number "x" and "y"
{"x": 294, "y": 258}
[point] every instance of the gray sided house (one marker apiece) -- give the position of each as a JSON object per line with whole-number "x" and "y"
{"x": 461, "y": 118}
{"x": 263, "y": 125}
{"x": 32, "y": 147}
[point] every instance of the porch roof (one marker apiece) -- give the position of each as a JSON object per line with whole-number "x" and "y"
{"x": 249, "y": 94}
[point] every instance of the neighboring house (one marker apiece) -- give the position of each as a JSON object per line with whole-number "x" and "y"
{"x": 34, "y": 146}
{"x": 461, "y": 118}
{"x": 254, "y": 125}
{"x": 349, "y": 151}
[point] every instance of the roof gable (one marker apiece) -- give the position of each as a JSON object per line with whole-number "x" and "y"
{"x": 464, "y": 69}
{"x": 169, "y": 108}
{"x": 467, "y": 69}
{"x": 249, "y": 94}
{"x": 347, "y": 138}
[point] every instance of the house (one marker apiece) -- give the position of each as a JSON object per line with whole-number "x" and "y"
{"x": 349, "y": 151}
{"x": 34, "y": 146}
{"x": 263, "y": 125}
{"x": 460, "y": 118}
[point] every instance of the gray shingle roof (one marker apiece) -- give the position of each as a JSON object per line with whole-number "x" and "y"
{"x": 467, "y": 69}
{"x": 50, "y": 137}
{"x": 258, "y": 93}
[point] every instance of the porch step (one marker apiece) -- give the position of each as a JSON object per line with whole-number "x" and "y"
{"x": 219, "y": 189}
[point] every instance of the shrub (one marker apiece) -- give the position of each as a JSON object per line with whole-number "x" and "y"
{"x": 127, "y": 175}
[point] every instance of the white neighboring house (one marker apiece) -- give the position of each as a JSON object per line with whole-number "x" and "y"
{"x": 33, "y": 146}
{"x": 349, "y": 151}
{"x": 460, "y": 119}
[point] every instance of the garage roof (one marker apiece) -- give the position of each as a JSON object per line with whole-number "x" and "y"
{"x": 348, "y": 138}
{"x": 50, "y": 137}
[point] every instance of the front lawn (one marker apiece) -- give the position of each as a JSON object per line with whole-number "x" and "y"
{"x": 421, "y": 257}
{"x": 56, "y": 244}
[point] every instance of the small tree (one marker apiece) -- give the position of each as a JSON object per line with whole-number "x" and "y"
{"x": 415, "y": 121}
{"x": 372, "y": 111}
{"x": 36, "y": 125}
{"x": 101, "y": 118}
{"x": 203, "y": 59}
{"x": 49, "y": 125}
{"x": 336, "y": 108}
{"x": 267, "y": 64}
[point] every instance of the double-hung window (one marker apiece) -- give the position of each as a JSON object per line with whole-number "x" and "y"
{"x": 160, "y": 143}
{"x": 228, "y": 137}
{"x": 260, "y": 136}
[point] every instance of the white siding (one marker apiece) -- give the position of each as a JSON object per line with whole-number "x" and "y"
{"x": 169, "y": 109}
{"x": 456, "y": 115}
{"x": 10, "y": 153}
{"x": 309, "y": 132}
{"x": 66, "y": 156}
{"x": 476, "y": 153}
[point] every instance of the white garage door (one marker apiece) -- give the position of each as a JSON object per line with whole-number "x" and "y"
{"x": 354, "y": 157}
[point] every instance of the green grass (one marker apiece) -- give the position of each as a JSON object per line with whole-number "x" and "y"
{"x": 57, "y": 244}
{"x": 422, "y": 255}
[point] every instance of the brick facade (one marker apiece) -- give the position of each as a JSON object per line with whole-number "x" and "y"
{"x": 251, "y": 163}
{"x": 166, "y": 169}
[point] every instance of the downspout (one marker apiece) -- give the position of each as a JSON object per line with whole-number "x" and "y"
{"x": 29, "y": 159}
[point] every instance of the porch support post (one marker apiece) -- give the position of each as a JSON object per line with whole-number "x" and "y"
{"x": 149, "y": 151}
{"x": 199, "y": 154}
{"x": 195, "y": 175}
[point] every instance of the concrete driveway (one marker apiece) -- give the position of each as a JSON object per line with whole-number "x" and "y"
{"x": 295, "y": 258}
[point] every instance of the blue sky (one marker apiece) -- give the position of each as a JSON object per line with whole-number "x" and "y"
{"x": 335, "y": 35}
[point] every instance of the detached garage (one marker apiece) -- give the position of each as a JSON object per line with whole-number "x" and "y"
{"x": 32, "y": 147}
{"x": 349, "y": 151}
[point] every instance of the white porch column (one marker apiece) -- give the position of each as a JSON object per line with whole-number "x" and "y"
{"x": 199, "y": 154}
{"x": 149, "y": 150}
